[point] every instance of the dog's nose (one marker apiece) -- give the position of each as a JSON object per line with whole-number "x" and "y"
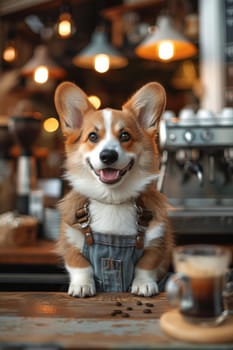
{"x": 108, "y": 156}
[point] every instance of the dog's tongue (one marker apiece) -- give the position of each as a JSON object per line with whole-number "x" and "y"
{"x": 109, "y": 175}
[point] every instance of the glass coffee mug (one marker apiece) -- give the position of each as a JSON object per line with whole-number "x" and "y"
{"x": 197, "y": 286}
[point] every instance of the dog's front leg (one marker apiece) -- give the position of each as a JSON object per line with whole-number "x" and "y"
{"x": 146, "y": 273}
{"x": 144, "y": 283}
{"x": 82, "y": 283}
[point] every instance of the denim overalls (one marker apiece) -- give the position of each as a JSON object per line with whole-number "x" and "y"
{"x": 113, "y": 259}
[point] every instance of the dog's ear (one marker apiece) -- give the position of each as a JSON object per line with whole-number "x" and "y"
{"x": 71, "y": 103}
{"x": 148, "y": 104}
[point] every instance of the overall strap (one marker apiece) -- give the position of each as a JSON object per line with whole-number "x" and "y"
{"x": 82, "y": 222}
{"x": 83, "y": 219}
{"x": 144, "y": 216}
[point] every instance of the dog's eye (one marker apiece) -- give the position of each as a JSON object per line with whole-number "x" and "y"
{"x": 93, "y": 137}
{"x": 124, "y": 136}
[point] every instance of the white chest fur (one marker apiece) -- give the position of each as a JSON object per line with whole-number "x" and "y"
{"x": 118, "y": 219}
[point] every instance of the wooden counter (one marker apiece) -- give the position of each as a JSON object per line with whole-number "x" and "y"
{"x": 34, "y": 267}
{"x": 58, "y": 321}
{"x": 41, "y": 253}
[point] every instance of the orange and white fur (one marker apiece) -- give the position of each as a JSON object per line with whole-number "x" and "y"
{"x": 130, "y": 135}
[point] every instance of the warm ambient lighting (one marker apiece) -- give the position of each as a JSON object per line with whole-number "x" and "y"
{"x": 185, "y": 77}
{"x": 65, "y": 25}
{"x": 100, "y": 48}
{"x": 41, "y": 75}
{"x": 9, "y": 53}
{"x": 95, "y": 101}
{"x": 102, "y": 63}
{"x": 177, "y": 46}
{"x": 166, "y": 50}
{"x": 51, "y": 124}
{"x": 41, "y": 67}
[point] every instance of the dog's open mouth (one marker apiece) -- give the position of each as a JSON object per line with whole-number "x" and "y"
{"x": 111, "y": 175}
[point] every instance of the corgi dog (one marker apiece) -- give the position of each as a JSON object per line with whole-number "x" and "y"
{"x": 115, "y": 234}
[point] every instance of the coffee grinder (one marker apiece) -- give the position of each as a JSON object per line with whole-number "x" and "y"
{"x": 25, "y": 128}
{"x": 6, "y": 169}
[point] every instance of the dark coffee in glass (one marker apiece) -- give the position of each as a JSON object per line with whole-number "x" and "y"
{"x": 207, "y": 301}
{"x": 197, "y": 287}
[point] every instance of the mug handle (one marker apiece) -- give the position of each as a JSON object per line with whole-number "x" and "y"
{"x": 179, "y": 292}
{"x": 228, "y": 292}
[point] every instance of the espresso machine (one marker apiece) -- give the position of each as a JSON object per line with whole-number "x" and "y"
{"x": 196, "y": 172}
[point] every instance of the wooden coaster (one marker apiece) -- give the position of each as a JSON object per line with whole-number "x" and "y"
{"x": 175, "y": 325}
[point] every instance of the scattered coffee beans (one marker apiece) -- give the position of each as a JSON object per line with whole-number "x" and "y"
{"x": 119, "y": 312}
{"x": 147, "y": 311}
{"x": 149, "y": 304}
{"x": 116, "y": 312}
{"x": 118, "y": 303}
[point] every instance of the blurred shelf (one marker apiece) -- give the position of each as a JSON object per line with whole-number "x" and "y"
{"x": 42, "y": 253}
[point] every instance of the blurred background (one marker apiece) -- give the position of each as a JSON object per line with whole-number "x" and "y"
{"x": 29, "y": 31}
{"x": 110, "y": 49}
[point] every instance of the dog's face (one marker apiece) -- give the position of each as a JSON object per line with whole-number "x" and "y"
{"x": 111, "y": 154}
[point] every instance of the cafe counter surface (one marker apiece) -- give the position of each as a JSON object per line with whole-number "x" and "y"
{"x": 106, "y": 321}
{"x": 42, "y": 252}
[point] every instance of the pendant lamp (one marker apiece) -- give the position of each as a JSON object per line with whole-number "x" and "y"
{"x": 165, "y": 43}
{"x": 65, "y": 26}
{"x": 99, "y": 54}
{"x": 41, "y": 59}
{"x": 185, "y": 76}
{"x": 10, "y": 51}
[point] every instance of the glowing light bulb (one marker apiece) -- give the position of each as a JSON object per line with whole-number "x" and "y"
{"x": 166, "y": 50}
{"x": 95, "y": 101}
{"x": 9, "y": 54}
{"x": 101, "y": 63}
{"x": 64, "y": 27}
{"x": 51, "y": 124}
{"x": 41, "y": 74}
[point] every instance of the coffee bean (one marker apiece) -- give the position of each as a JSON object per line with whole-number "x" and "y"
{"x": 149, "y": 304}
{"x": 147, "y": 311}
{"x": 118, "y": 303}
{"x": 125, "y": 314}
{"x": 113, "y": 313}
{"x": 129, "y": 308}
{"x": 138, "y": 302}
{"x": 117, "y": 312}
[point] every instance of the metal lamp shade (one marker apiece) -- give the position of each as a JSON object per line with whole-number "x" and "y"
{"x": 149, "y": 48}
{"x": 41, "y": 58}
{"x": 99, "y": 45}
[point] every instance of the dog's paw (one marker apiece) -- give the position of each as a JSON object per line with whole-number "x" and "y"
{"x": 144, "y": 283}
{"x": 144, "y": 287}
{"x": 82, "y": 290}
{"x": 82, "y": 283}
